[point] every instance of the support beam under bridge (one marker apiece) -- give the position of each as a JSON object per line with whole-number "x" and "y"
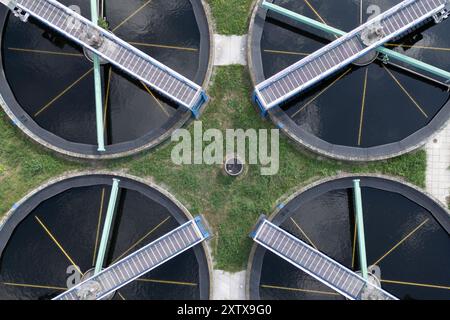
{"x": 98, "y": 86}
{"x": 106, "y": 234}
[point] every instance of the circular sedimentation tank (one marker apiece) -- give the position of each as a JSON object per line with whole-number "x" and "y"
{"x": 47, "y": 82}
{"x": 368, "y": 110}
{"x": 406, "y": 234}
{"x": 60, "y": 224}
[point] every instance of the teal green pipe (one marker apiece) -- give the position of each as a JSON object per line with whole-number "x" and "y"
{"x": 326, "y": 28}
{"x": 360, "y": 227}
{"x": 98, "y": 87}
{"x": 107, "y": 226}
{"x": 301, "y": 18}
{"x": 394, "y": 55}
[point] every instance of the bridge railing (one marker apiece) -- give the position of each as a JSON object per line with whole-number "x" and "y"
{"x": 139, "y": 262}
{"x": 315, "y": 263}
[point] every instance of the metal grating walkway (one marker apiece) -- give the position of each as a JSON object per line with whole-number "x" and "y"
{"x": 390, "y": 25}
{"x": 111, "y": 48}
{"x": 138, "y": 263}
{"x": 316, "y": 264}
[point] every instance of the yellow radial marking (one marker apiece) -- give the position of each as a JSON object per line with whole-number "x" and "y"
{"x": 321, "y": 92}
{"x": 154, "y": 45}
{"x": 47, "y": 52}
{"x": 300, "y": 290}
{"x": 157, "y": 101}
{"x": 169, "y": 282}
{"x": 304, "y": 234}
{"x": 63, "y": 93}
{"x": 33, "y": 286}
{"x": 58, "y": 244}
{"x": 363, "y": 106}
{"x": 141, "y": 239}
{"x": 406, "y": 92}
{"x": 98, "y": 225}
{"x": 425, "y": 285}
{"x": 417, "y": 47}
{"x": 401, "y": 241}
{"x": 287, "y": 52}
{"x": 131, "y": 15}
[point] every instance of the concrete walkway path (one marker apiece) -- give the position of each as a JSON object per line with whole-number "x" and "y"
{"x": 230, "y": 50}
{"x": 438, "y": 165}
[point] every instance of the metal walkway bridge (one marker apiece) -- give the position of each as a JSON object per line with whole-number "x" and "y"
{"x": 138, "y": 263}
{"x": 390, "y": 25}
{"x": 111, "y": 48}
{"x": 316, "y": 264}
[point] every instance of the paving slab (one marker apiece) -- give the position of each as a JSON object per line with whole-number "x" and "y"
{"x": 438, "y": 164}
{"x": 228, "y": 286}
{"x": 229, "y": 50}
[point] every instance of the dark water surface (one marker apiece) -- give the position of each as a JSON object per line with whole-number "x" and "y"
{"x": 36, "y": 78}
{"x": 334, "y": 114}
{"x": 32, "y": 258}
{"x": 328, "y": 222}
